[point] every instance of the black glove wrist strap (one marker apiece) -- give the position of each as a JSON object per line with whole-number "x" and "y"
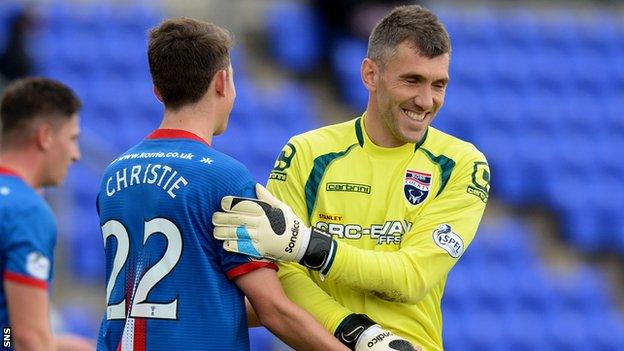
{"x": 321, "y": 250}
{"x": 350, "y": 329}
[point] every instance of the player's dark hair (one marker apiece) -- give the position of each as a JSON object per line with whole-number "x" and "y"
{"x": 412, "y": 23}
{"x": 184, "y": 55}
{"x": 28, "y": 99}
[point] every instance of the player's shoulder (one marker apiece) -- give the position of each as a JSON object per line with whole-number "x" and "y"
{"x": 19, "y": 196}
{"x": 21, "y": 206}
{"x": 438, "y": 142}
{"x": 225, "y": 162}
{"x": 332, "y": 138}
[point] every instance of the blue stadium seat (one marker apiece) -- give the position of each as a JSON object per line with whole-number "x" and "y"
{"x": 568, "y": 332}
{"x": 346, "y": 58}
{"x": 524, "y": 331}
{"x": 78, "y": 319}
{"x": 479, "y": 30}
{"x": 519, "y": 28}
{"x": 484, "y": 331}
{"x": 557, "y": 32}
{"x": 470, "y": 65}
{"x": 511, "y": 68}
{"x": 9, "y": 9}
{"x": 260, "y": 339}
{"x": 606, "y": 331}
{"x": 293, "y": 29}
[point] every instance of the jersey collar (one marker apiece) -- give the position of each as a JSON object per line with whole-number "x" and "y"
{"x": 367, "y": 144}
{"x": 175, "y": 134}
{"x": 9, "y": 172}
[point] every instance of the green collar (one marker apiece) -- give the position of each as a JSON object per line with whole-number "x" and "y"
{"x": 369, "y": 146}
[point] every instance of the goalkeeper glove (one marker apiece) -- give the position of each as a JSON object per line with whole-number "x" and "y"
{"x": 269, "y": 228}
{"x": 360, "y": 333}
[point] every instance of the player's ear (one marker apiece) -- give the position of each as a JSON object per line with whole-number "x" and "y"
{"x": 220, "y": 81}
{"x": 44, "y": 135}
{"x": 370, "y": 74}
{"x": 158, "y": 94}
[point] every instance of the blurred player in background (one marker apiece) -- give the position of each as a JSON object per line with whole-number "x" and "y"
{"x": 39, "y": 142}
{"x": 171, "y": 286}
{"x": 401, "y": 199}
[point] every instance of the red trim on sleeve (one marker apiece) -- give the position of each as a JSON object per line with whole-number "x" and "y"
{"x": 9, "y": 172}
{"x": 249, "y": 267}
{"x": 27, "y": 280}
{"x": 175, "y": 134}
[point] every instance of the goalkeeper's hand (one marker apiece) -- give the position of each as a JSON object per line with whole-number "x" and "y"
{"x": 360, "y": 333}
{"x": 268, "y": 228}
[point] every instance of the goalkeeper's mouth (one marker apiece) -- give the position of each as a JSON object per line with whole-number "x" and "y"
{"x": 415, "y": 116}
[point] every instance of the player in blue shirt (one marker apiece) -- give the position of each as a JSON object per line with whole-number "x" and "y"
{"x": 170, "y": 284}
{"x": 38, "y": 144}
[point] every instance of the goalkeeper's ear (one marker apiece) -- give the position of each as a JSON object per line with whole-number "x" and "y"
{"x": 264, "y": 195}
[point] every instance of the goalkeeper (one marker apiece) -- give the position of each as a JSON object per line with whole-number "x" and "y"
{"x": 400, "y": 200}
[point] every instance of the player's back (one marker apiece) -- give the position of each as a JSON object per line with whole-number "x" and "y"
{"x": 27, "y": 237}
{"x": 167, "y": 277}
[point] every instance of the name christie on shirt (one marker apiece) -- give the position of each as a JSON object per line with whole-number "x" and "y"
{"x": 158, "y": 175}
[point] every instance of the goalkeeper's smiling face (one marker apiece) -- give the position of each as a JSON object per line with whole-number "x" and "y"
{"x": 409, "y": 93}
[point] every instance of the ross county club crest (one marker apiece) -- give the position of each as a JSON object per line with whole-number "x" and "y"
{"x": 416, "y": 186}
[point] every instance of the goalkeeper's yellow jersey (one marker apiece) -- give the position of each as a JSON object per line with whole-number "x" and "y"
{"x": 402, "y": 217}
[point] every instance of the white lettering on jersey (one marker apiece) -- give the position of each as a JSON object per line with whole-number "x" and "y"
{"x": 390, "y": 232}
{"x": 158, "y": 175}
{"x": 158, "y": 154}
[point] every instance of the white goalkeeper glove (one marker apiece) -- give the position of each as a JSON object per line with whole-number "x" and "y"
{"x": 360, "y": 333}
{"x": 269, "y": 228}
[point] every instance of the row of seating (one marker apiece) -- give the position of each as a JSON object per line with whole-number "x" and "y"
{"x": 502, "y": 296}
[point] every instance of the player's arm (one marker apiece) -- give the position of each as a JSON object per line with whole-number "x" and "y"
{"x": 252, "y": 317}
{"x": 28, "y": 259}
{"x": 28, "y": 308}
{"x": 356, "y": 331}
{"x": 280, "y": 315}
{"x": 438, "y": 237}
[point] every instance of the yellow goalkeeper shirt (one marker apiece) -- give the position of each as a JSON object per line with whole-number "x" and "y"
{"x": 401, "y": 216}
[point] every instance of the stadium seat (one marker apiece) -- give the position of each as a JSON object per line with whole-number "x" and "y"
{"x": 261, "y": 339}
{"x": 293, "y": 29}
{"x": 346, "y": 58}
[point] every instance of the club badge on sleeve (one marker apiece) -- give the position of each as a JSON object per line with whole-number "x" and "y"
{"x": 445, "y": 238}
{"x": 416, "y": 186}
{"x": 38, "y": 265}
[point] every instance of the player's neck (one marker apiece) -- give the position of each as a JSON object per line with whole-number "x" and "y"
{"x": 199, "y": 119}
{"x": 377, "y": 131}
{"x": 24, "y": 163}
